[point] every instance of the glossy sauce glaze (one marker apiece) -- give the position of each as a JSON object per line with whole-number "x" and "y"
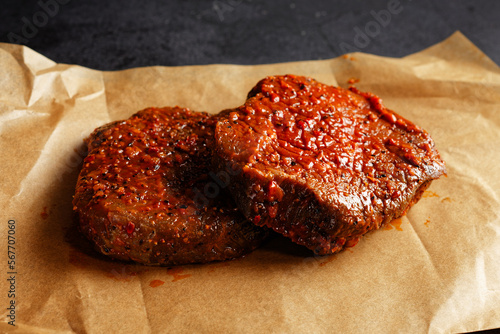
{"x": 140, "y": 194}
{"x": 321, "y": 164}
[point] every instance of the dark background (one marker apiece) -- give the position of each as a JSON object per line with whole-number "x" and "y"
{"x": 112, "y": 35}
{"x": 119, "y": 34}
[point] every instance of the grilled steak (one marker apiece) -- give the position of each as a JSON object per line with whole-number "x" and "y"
{"x": 322, "y": 165}
{"x": 142, "y": 193}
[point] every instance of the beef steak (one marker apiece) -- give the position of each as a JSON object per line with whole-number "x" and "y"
{"x": 320, "y": 164}
{"x": 141, "y": 193}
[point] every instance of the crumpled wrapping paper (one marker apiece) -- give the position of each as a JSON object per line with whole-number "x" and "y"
{"x": 436, "y": 270}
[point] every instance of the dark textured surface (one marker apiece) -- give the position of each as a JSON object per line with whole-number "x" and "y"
{"x": 118, "y": 34}
{"x": 111, "y": 35}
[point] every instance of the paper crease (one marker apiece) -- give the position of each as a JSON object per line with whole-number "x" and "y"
{"x": 390, "y": 282}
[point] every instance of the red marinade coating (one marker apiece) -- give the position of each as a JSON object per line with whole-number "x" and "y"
{"x": 320, "y": 164}
{"x": 141, "y": 193}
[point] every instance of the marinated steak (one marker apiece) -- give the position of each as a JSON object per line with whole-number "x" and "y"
{"x": 141, "y": 193}
{"x": 322, "y": 165}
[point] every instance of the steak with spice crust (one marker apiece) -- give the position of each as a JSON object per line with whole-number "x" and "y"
{"x": 320, "y": 164}
{"x": 142, "y": 193}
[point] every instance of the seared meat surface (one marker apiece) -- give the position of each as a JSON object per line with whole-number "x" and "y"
{"x": 320, "y": 164}
{"x": 142, "y": 192}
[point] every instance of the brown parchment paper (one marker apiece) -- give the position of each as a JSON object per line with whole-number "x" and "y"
{"x": 436, "y": 270}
